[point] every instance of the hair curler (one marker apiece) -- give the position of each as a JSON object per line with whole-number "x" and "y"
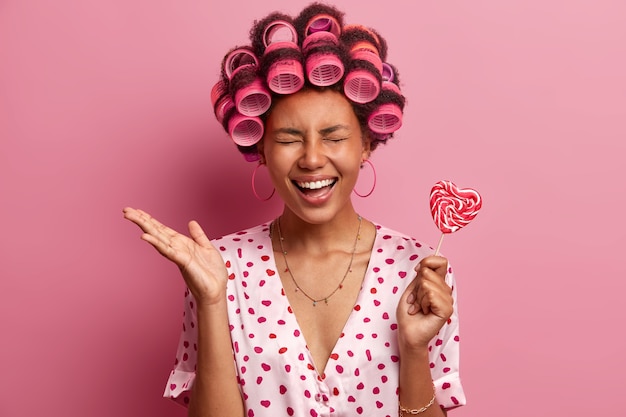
{"x": 221, "y": 100}
{"x": 285, "y": 75}
{"x": 251, "y": 96}
{"x": 387, "y": 117}
{"x": 323, "y": 66}
{"x": 245, "y": 130}
{"x": 362, "y": 84}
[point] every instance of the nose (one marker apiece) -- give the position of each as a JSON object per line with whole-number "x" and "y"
{"x": 313, "y": 155}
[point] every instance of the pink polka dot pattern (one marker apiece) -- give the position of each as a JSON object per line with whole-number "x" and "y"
{"x": 274, "y": 366}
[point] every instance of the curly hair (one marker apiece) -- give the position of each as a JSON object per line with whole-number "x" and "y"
{"x": 313, "y": 50}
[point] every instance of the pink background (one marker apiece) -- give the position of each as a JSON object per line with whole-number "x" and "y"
{"x": 106, "y": 104}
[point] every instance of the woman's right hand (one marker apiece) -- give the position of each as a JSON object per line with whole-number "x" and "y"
{"x": 200, "y": 263}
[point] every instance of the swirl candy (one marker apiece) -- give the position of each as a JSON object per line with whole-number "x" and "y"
{"x": 453, "y": 208}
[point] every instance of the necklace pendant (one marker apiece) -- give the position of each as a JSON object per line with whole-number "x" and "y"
{"x": 326, "y": 301}
{"x": 314, "y": 303}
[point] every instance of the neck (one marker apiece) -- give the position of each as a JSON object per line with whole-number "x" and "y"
{"x": 319, "y": 237}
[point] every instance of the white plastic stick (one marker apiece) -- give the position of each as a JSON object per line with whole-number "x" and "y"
{"x": 439, "y": 244}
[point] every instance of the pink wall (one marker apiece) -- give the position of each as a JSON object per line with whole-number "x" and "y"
{"x": 106, "y": 104}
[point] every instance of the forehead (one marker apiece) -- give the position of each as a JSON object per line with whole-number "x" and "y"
{"x": 312, "y": 107}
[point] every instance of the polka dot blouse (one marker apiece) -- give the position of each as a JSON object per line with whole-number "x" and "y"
{"x": 274, "y": 367}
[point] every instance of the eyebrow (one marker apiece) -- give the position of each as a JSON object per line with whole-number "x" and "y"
{"x": 325, "y": 131}
{"x": 332, "y": 129}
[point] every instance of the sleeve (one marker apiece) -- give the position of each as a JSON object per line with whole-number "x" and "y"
{"x": 444, "y": 358}
{"x": 183, "y": 374}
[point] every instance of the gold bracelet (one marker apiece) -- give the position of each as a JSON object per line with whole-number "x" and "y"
{"x": 418, "y": 410}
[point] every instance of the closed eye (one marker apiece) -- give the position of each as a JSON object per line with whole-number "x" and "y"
{"x": 286, "y": 141}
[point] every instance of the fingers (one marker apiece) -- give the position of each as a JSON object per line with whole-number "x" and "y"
{"x": 429, "y": 291}
{"x": 146, "y": 222}
{"x": 439, "y": 264}
{"x": 198, "y": 234}
{"x": 155, "y": 233}
{"x": 150, "y": 225}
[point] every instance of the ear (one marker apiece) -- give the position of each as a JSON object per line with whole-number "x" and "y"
{"x": 367, "y": 148}
{"x": 261, "y": 150}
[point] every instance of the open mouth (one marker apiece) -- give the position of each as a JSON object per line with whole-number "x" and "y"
{"x": 313, "y": 188}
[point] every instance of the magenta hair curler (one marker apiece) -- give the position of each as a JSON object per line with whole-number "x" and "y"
{"x": 323, "y": 67}
{"x": 285, "y": 76}
{"x": 245, "y": 130}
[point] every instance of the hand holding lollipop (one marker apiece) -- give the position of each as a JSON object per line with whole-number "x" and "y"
{"x": 452, "y": 208}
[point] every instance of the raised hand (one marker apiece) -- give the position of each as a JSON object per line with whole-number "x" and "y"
{"x": 426, "y": 304}
{"x": 200, "y": 263}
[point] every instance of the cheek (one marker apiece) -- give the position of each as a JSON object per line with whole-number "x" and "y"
{"x": 349, "y": 165}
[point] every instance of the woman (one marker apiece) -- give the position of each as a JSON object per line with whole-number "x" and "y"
{"x": 324, "y": 312}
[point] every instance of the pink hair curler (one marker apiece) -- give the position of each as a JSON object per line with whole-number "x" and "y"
{"x": 245, "y": 130}
{"x": 385, "y": 119}
{"x": 285, "y": 76}
{"x": 222, "y": 107}
{"x": 238, "y": 59}
{"x": 361, "y": 85}
{"x": 387, "y": 72}
{"x": 221, "y": 100}
{"x": 323, "y": 68}
{"x": 323, "y": 23}
{"x": 219, "y": 89}
{"x": 253, "y": 99}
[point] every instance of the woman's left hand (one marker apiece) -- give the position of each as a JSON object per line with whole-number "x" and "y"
{"x": 425, "y": 305}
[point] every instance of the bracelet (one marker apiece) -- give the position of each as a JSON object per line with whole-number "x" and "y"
{"x": 418, "y": 410}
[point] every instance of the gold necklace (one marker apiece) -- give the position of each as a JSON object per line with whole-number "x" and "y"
{"x": 298, "y": 288}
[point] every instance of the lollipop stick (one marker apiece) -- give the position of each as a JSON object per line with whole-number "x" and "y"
{"x": 439, "y": 244}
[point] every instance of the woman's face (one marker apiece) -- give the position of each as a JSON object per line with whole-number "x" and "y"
{"x": 313, "y": 147}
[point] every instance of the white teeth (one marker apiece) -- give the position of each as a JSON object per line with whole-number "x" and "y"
{"x": 315, "y": 185}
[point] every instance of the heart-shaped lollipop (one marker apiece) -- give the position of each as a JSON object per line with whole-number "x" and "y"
{"x": 453, "y": 207}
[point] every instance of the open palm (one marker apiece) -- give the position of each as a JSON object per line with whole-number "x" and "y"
{"x": 200, "y": 263}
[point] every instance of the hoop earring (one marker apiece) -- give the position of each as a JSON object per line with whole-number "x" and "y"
{"x": 254, "y": 186}
{"x": 373, "y": 186}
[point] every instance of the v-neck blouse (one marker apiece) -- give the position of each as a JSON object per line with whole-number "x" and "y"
{"x": 274, "y": 367}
